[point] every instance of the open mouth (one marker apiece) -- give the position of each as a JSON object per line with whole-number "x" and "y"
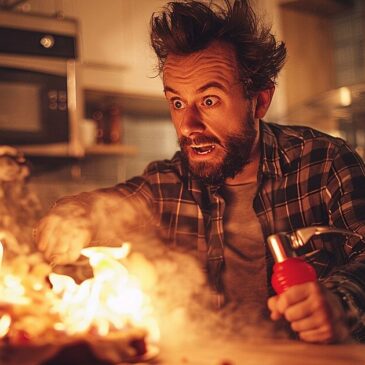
{"x": 203, "y": 149}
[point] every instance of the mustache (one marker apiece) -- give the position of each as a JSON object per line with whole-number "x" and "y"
{"x": 199, "y": 139}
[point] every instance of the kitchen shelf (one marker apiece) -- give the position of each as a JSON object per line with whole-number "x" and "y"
{"x": 68, "y": 150}
{"x": 132, "y": 104}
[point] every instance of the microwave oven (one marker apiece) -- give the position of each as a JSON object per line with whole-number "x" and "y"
{"x": 39, "y": 97}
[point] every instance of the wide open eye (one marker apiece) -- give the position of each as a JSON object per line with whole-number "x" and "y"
{"x": 178, "y": 104}
{"x": 210, "y": 101}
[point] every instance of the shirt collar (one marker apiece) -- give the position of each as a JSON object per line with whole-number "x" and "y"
{"x": 270, "y": 157}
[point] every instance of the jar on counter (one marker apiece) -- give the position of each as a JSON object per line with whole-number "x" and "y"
{"x": 98, "y": 117}
{"x": 108, "y": 124}
{"x": 113, "y": 125}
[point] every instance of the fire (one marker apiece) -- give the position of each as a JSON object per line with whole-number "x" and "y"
{"x": 110, "y": 301}
{"x": 5, "y": 322}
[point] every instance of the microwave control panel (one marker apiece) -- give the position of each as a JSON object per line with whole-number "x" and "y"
{"x": 57, "y": 100}
{"x": 19, "y": 41}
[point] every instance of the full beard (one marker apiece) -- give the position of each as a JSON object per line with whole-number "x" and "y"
{"x": 237, "y": 148}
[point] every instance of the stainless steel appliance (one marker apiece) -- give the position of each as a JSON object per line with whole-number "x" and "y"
{"x": 39, "y": 98}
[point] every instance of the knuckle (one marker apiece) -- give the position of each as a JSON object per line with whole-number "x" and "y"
{"x": 316, "y": 288}
{"x": 304, "y": 337}
{"x": 271, "y": 303}
{"x": 290, "y": 315}
{"x": 283, "y": 301}
{"x": 318, "y": 303}
{"x": 328, "y": 336}
{"x": 295, "y": 326}
{"x": 327, "y": 330}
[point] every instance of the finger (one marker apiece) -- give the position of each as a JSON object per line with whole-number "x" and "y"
{"x": 299, "y": 311}
{"x": 45, "y": 231}
{"x": 312, "y": 322}
{"x": 73, "y": 255}
{"x": 294, "y": 295}
{"x": 272, "y": 302}
{"x": 58, "y": 247}
{"x": 68, "y": 246}
{"x": 50, "y": 246}
{"x": 41, "y": 237}
{"x": 323, "y": 334}
{"x": 79, "y": 240}
{"x": 52, "y": 256}
{"x": 57, "y": 238}
{"x": 60, "y": 259}
{"x": 275, "y": 315}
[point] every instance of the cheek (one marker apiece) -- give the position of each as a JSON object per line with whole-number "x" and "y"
{"x": 238, "y": 115}
{"x": 226, "y": 121}
{"x": 176, "y": 122}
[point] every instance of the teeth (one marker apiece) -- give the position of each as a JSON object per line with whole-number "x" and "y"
{"x": 203, "y": 149}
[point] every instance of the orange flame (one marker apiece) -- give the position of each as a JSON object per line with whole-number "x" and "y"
{"x": 111, "y": 300}
{"x": 5, "y": 321}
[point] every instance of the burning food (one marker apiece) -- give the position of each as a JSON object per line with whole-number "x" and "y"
{"x": 108, "y": 311}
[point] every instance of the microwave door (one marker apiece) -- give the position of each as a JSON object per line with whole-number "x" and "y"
{"x": 33, "y": 107}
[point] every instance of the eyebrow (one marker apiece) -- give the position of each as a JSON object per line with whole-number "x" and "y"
{"x": 170, "y": 89}
{"x": 206, "y": 86}
{"x": 213, "y": 84}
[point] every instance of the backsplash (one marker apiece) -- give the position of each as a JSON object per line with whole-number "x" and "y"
{"x": 52, "y": 178}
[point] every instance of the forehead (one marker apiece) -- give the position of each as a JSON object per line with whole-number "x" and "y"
{"x": 215, "y": 63}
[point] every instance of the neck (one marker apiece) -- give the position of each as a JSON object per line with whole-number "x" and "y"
{"x": 249, "y": 172}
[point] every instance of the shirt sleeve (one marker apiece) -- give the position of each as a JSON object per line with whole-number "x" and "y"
{"x": 345, "y": 193}
{"x": 114, "y": 213}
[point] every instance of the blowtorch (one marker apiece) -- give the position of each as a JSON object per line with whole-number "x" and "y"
{"x": 289, "y": 269}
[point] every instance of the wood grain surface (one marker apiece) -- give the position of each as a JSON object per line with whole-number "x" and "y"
{"x": 262, "y": 353}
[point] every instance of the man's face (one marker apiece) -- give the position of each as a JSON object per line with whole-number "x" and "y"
{"x": 213, "y": 119}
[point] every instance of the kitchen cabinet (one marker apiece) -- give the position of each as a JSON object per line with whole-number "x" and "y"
{"x": 309, "y": 69}
{"x": 115, "y": 59}
{"x": 114, "y": 42}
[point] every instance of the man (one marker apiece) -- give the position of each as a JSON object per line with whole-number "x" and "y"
{"x": 237, "y": 179}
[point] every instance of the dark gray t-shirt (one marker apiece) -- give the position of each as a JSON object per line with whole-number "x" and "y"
{"x": 245, "y": 273}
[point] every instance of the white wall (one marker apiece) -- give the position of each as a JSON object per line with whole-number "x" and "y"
{"x": 269, "y": 11}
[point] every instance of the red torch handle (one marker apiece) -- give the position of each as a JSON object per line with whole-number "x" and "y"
{"x": 291, "y": 271}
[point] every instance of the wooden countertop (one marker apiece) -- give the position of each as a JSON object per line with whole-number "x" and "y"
{"x": 263, "y": 353}
{"x": 222, "y": 352}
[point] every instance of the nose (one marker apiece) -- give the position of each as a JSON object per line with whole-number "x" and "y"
{"x": 191, "y": 122}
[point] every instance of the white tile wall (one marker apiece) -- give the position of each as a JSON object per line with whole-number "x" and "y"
{"x": 155, "y": 139}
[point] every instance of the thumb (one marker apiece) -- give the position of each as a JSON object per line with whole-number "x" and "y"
{"x": 272, "y": 305}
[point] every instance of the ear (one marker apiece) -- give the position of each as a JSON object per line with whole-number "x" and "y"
{"x": 263, "y": 101}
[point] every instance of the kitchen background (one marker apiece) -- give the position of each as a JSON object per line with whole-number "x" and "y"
{"x": 322, "y": 84}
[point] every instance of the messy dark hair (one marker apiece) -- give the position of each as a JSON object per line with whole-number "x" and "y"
{"x": 187, "y": 26}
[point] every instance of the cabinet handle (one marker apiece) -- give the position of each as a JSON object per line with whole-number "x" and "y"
{"x": 47, "y": 41}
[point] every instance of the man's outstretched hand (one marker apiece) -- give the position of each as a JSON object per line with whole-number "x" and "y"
{"x": 61, "y": 239}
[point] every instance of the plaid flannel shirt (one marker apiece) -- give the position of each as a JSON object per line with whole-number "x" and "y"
{"x": 305, "y": 178}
